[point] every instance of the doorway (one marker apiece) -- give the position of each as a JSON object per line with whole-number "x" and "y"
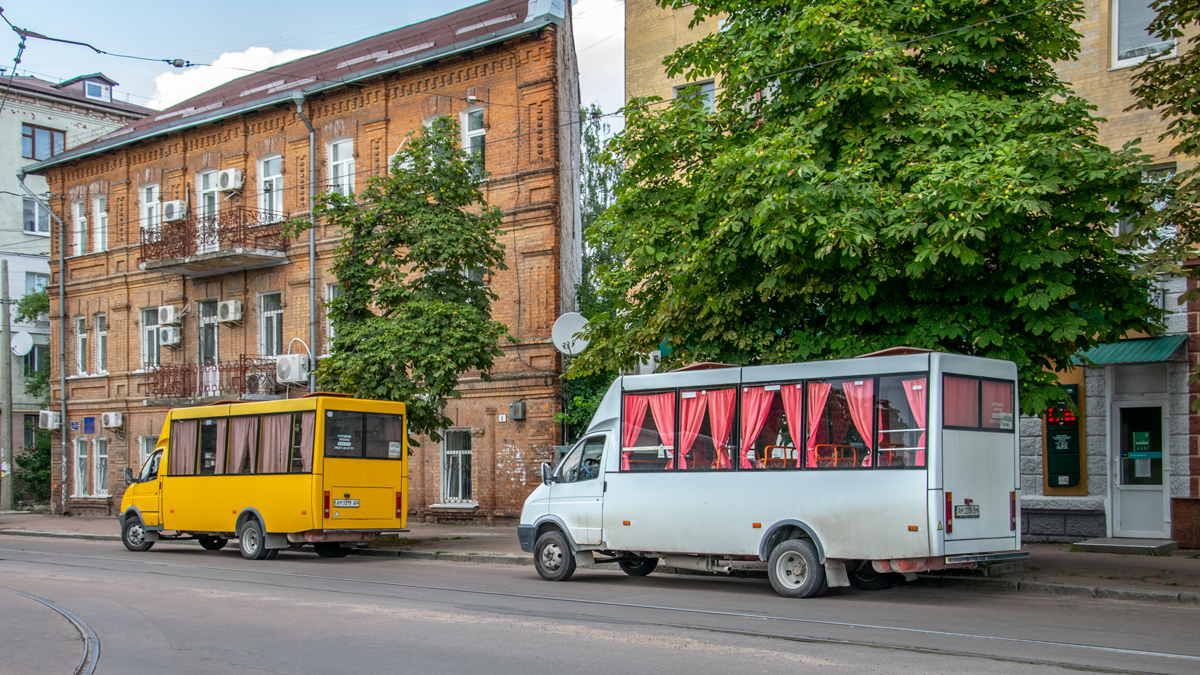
{"x": 1140, "y": 471}
{"x": 210, "y": 370}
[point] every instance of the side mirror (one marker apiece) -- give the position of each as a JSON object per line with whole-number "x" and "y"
{"x": 546, "y": 480}
{"x": 129, "y": 480}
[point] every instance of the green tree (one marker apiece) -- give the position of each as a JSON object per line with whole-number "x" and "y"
{"x": 32, "y": 470}
{"x": 874, "y": 173}
{"x": 414, "y": 312}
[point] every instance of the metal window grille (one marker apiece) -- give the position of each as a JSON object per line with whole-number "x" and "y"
{"x": 456, "y": 467}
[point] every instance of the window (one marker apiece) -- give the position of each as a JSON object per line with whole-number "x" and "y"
{"x": 976, "y": 403}
{"x": 150, "y": 466}
{"x": 79, "y": 228}
{"x": 583, "y": 463}
{"x": 145, "y": 448}
{"x": 35, "y": 282}
{"x": 270, "y": 196}
{"x": 37, "y": 360}
{"x": 100, "y": 479}
{"x": 40, "y": 143}
{"x": 100, "y": 226}
{"x": 81, "y": 467}
{"x": 331, "y": 291}
{"x": 97, "y": 90}
{"x": 101, "y": 343}
{"x": 841, "y": 428}
{"x": 770, "y": 426}
{"x": 209, "y": 197}
{"x": 151, "y": 211}
{"x": 212, "y": 446}
{"x": 341, "y": 167}
{"x": 456, "y": 467}
{"x": 706, "y": 429}
{"x": 271, "y": 325}
{"x": 357, "y": 435}
{"x": 474, "y": 133}
{"x": 706, "y": 91}
{"x": 81, "y": 346}
{"x": 35, "y": 217}
{"x": 183, "y": 447}
{"x": 150, "y": 346}
{"x": 287, "y": 442}
{"x": 31, "y": 429}
{"x": 1132, "y": 42}
{"x": 1152, "y": 175}
{"x": 243, "y": 445}
{"x": 902, "y": 415}
{"x": 648, "y": 433}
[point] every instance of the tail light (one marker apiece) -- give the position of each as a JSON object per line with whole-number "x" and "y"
{"x": 327, "y": 503}
{"x": 949, "y": 511}
{"x": 1012, "y": 511}
{"x": 399, "y": 503}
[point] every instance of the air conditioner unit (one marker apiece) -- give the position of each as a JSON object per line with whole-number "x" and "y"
{"x": 292, "y": 369}
{"x": 174, "y": 210}
{"x": 112, "y": 420}
{"x": 48, "y": 419}
{"x": 229, "y": 179}
{"x": 259, "y": 383}
{"x": 170, "y": 315}
{"x": 229, "y": 311}
{"x": 169, "y": 336}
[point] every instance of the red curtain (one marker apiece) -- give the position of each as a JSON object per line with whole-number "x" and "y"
{"x": 793, "y": 400}
{"x": 756, "y": 404}
{"x": 916, "y": 391}
{"x": 818, "y": 393}
{"x": 635, "y": 414}
{"x": 860, "y": 398}
{"x": 961, "y": 401}
{"x": 662, "y": 408}
{"x": 692, "y": 412}
{"x": 721, "y": 405}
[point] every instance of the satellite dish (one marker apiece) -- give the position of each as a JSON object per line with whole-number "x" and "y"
{"x": 566, "y": 333}
{"x": 22, "y": 342}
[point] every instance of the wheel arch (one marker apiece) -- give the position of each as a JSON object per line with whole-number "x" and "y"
{"x": 248, "y": 514}
{"x": 789, "y": 529}
{"x": 550, "y": 522}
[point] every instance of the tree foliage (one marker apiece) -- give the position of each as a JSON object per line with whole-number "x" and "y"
{"x": 414, "y": 312}
{"x": 875, "y": 173}
{"x": 32, "y": 470}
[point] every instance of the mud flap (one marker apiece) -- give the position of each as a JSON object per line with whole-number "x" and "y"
{"x": 835, "y": 573}
{"x": 585, "y": 559}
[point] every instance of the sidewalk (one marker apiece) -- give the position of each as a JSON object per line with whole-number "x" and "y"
{"x": 1052, "y": 568}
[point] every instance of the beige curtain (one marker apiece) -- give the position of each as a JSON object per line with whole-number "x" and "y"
{"x": 243, "y": 444}
{"x": 276, "y": 434}
{"x": 308, "y": 427}
{"x": 183, "y": 447}
{"x": 222, "y": 432}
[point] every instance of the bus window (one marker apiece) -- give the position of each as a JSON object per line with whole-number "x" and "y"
{"x": 582, "y": 464}
{"x": 770, "y": 424}
{"x": 648, "y": 432}
{"x": 243, "y": 444}
{"x": 343, "y": 434}
{"x": 384, "y": 436}
{"x": 183, "y": 447}
{"x": 902, "y": 420}
{"x": 706, "y": 429}
{"x": 997, "y": 405}
{"x": 960, "y": 396}
{"x": 304, "y": 424}
{"x": 276, "y": 442}
{"x": 150, "y": 468}
{"x": 212, "y": 446}
{"x": 840, "y": 424}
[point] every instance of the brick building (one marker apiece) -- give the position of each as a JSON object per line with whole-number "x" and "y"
{"x": 198, "y": 291}
{"x": 1078, "y": 476}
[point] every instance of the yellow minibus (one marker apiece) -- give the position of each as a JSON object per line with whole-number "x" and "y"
{"x": 325, "y": 469}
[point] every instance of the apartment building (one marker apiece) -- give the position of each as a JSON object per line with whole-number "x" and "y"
{"x": 1128, "y": 464}
{"x": 198, "y": 291}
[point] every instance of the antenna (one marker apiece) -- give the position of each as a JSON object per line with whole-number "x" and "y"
{"x": 566, "y": 333}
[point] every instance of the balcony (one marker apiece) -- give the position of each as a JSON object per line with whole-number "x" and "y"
{"x": 236, "y": 239}
{"x": 247, "y": 378}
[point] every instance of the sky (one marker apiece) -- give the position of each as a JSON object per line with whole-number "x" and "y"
{"x": 236, "y": 36}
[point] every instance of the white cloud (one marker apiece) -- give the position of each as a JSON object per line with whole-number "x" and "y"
{"x": 600, "y": 44}
{"x": 175, "y": 86}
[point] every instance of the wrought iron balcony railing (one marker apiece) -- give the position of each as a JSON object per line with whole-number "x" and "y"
{"x": 235, "y": 229}
{"x": 248, "y": 376}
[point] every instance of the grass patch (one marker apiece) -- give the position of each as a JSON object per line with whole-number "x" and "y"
{"x": 393, "y": 541}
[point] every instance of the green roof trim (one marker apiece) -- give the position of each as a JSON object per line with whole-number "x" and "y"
{"x": 1148, "y": 350}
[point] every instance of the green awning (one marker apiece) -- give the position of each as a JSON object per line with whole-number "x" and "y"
{"x": 1135, "y": 351}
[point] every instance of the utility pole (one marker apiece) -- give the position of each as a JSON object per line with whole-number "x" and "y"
{"x": 6, "y": 490}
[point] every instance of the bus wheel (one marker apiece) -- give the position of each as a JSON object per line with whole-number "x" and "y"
{"x": 271, "y": 553}
{"x": 133, "y": 535}
{"x": 330, "y": 549}
{"x": 866, "y": 578}
{"x": 795, "y": 570}
{"x": 552, "y": 557}
{"x": 213, "y": 543}
{"x": 253, "y": 541}
{"x": 639, "y": 567}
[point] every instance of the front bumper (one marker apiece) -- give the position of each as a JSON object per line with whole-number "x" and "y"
{"x": 525, "y": 537}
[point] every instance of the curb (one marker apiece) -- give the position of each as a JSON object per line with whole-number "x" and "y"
{"x": 1045, "y": 587}
{"x": 493, "y": 558}
{"x": 62, "y": 535}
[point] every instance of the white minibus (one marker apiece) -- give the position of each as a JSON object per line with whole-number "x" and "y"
{"x": 852, "y": 472}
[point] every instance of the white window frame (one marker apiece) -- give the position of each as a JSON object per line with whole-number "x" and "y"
{"x": 151, "y": 208}
{"x": 100, "y": 224}
{"x": 78, "y": 228}
{"x": 208, "y": 194}
{"x": 1117, "y": 62}
{"x": 445, "y": 453}
{"x": 101, "y": 323}
{"x": 469, "y": 135}
{"x": 270, "y": 193}
{"x": 40, "y": 282}
{"x": 81, "y": 467}
{"x": 341, "y": 167}
{"x": 331, "y": 291}
{"x": 151, "y": 350}
{"x": 41, "y": 217}
{"x": 105, "y": 91}
{"x": 706, "y": 91}
{"x": 100, "y": 466}
{"x": 145, "y": 449}
{"x": 273, "y": 321}
{"x": 81, "y": 355}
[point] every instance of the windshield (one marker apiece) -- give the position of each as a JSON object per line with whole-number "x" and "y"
{"x": 150, "y": 468}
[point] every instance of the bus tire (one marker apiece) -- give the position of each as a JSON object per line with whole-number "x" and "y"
{"x": 639, "y": 567}
{"x": 865, "y": 578}
{"x": 133, "y": 535}
{"x": 213, "y": 543}
{"x": 252, "y": 541}
{"x": 271, "y": 553}
{"x": 795, "y": 570}
{"x": 552, "y": 556}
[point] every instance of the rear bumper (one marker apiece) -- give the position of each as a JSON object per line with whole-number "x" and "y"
{"x": 986, "y": 557}
{"x": 525, "y": 537}
{"x": 317, "y": 536}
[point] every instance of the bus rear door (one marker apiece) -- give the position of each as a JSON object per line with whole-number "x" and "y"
{"x": 363, "y": 469}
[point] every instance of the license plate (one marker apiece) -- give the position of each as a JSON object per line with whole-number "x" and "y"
{"x": 966, "y": 511}
{"x": 353, "y": 503}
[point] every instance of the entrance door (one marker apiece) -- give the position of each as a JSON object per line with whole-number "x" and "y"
{"x": 577, "y": 493}
{"x": 1140, "y": 472}
{"x": 210, "y": 371}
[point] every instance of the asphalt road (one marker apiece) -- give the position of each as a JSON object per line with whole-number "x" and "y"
{"x": 179, "y": 609}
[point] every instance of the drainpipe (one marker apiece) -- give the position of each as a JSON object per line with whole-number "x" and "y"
{"x": 62, "y": 334}
{"x": 298, "y": 97}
